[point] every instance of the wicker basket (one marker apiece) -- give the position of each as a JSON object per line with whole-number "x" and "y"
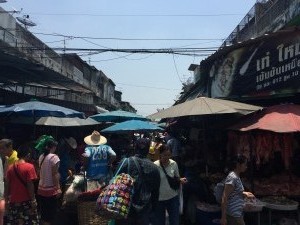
{"x": 87, "y": 215}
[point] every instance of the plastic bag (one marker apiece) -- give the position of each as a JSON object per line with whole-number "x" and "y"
{"x": 180, "y": 200}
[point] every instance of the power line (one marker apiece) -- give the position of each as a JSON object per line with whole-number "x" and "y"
{"x": 151, "y": 103}
{"x": 131, "y": 39}
{"x": 152, "y": 87}
{"x": 177, "y": 51}
{"x": 136, "y": 15}
{"x": 176, "y": 69}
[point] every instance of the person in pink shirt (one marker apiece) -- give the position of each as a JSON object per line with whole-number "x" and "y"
{"x": 49, "y": 187}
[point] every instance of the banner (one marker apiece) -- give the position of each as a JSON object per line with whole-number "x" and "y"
{"x": 270, "y": 66}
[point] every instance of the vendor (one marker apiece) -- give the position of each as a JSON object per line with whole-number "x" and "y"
{"x": 65, "y": 146}
{"x": 234, "y": 193}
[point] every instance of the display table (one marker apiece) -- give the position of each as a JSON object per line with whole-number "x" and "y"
{"x": 281, "y": 204}
{"x": 255, "y": 206}
{"x": 207, "y": 214}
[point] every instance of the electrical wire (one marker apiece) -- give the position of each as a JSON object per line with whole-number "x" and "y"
{"x": 151, "y": 87}
{"x": 135, "y": 15}
{"x": 105, "y": 60}
{"x": 130, "y": 39}
{"x": 151, "y": 103}
{"x": 176, "y": 70}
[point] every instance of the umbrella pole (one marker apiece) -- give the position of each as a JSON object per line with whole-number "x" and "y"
{"x": 204, "y": 141}
{"x": 34, "y": 125}
{"x": 251, "y": 162}
{"x": 56, "y": 132}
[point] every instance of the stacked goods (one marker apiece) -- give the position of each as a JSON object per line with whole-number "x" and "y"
{"x": 280, "y": 203}
{"x": 282, "y": 184}
{"x": 253, "y": 205}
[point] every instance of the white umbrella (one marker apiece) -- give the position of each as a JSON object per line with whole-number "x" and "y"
{"x": 65, "y": 122}
{"x": 204, "y": 106}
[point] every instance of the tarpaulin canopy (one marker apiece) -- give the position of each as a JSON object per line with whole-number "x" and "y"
{"x": 204, "y": 106}
{"x": 65, "y": 122}
{"x": 283, "y": 118}
{"x": 132, "y": 125}
{"x": 117, "y": 116}
{"x": 36, "y": 109}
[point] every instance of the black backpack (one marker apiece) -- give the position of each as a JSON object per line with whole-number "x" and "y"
{"x": 142, "y": 194}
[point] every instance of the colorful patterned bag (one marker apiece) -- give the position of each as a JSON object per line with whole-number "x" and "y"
{"x": 115, "y": 200}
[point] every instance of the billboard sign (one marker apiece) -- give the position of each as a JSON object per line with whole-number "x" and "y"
{"x": 270, "y": 66}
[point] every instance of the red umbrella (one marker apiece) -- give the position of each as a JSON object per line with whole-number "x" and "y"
{"x": 283, "y": 118}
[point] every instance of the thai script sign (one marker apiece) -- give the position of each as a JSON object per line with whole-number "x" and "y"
{"x": 268, "y": 67}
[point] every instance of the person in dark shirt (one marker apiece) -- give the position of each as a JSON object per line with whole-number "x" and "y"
{"x": 146, "y": 187}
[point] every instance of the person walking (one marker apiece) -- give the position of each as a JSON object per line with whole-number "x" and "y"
{"x": 168, "y": 189}
{"x": 49, "y": 186}
{"x": 11, "y": 156}
{"x": 146, "y": 186}
{"x": 19, "y": 191}
{"x": 233, "y": 195}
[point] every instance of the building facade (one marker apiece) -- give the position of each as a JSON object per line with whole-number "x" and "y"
{"x": 258, "y": 62}
{"x": 30, "y": 68}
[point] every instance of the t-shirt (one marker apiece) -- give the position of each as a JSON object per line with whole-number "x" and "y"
{"x": 235, "y": 202}
{"x": 98, "y": 160}
{"x": 18, "y": 191}
{"x": 165, "y": 191}
{"x": 46, "y": 184}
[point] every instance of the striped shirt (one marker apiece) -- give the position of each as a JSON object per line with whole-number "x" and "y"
{"x": 235, "y": 203}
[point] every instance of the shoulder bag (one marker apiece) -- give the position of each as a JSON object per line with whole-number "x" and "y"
{"x": 174, "y": 182}
{"x": 19, "y": 177}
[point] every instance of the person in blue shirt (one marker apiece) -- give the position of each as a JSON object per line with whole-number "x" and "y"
{"x": 65, "y": 146}
{"x": 98, "y": 158}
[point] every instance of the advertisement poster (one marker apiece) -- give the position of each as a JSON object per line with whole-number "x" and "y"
{"x": 270, "y": 66}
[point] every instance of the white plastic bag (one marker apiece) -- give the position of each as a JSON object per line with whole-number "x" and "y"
{"x": 180, "y": 200}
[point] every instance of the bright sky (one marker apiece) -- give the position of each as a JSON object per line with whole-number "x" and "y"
{"x": 148, "y": 81}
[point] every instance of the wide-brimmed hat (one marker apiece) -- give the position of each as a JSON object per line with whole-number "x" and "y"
{"x": 95, "y": 139}
{"x": 71, "y": 142}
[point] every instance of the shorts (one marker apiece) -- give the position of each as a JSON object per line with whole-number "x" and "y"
{"x": 48, "y": 208}
{"x": 22, "y": 213}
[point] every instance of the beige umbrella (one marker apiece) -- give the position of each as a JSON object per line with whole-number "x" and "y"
{"x": 65, "y": 122}
{"x": 204, "y": 106}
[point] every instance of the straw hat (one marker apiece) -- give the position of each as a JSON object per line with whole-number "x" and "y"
{"x": 71, "y": 142}
{"x": 95, "y": 139}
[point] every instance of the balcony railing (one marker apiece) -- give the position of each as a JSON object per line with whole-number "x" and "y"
{"x": 8, "y": 37}
{"x": 262, "y": 17}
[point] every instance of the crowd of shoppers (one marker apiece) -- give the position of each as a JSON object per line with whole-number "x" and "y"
{"x": 154, "y": 166}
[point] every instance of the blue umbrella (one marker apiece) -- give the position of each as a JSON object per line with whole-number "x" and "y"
{"x": 39, "y": 109}
{"x": 117, "y": 116}
{"x": 132, "y": 125}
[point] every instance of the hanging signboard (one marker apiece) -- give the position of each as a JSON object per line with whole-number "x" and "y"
{"x": 270, "y": 66}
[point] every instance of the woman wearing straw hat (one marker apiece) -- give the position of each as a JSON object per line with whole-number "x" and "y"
{"x": 98, "y": 157}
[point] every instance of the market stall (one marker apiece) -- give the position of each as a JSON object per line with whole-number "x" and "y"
{"x": 270, "y": 140}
